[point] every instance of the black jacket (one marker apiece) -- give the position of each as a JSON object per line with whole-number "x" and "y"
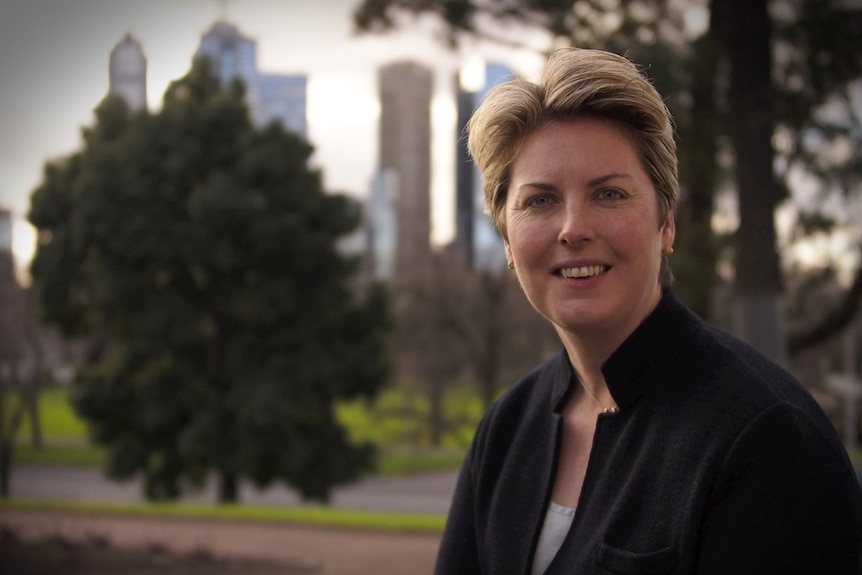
{"x": 718, "y": 462}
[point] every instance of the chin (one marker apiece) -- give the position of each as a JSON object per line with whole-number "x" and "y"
{"x": 586, "y": 322}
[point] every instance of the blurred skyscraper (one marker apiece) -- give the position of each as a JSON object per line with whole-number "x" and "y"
{"x": 5, "y": 232}
{"x": 11, "y": 300}
{"x": 404, "y": 172}
{"x": 477, "y": 243}
{"x": 465, "y": 181}
{"x": 382, "y": 224}
{"x": 127, "y": 72}
{"x": 271, "y": 97}
{"x": 11, "y": 297}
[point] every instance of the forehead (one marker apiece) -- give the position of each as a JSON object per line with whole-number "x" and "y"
{"x": 583, "y": 147}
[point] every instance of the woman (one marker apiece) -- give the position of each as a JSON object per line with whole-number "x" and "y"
{"x": 653, "y": 442}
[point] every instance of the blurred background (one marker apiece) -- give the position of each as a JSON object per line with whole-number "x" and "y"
{"x": 243, "y": 240}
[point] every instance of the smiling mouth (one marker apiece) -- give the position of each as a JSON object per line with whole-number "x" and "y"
{"x": 583, "y": 271}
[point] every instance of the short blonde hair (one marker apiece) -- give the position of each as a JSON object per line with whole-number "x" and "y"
{"x": 575, "y": 83}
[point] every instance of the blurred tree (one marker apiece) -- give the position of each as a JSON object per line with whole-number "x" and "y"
{"x": 478, "y": 324}
{"x": 13, "y": 388}
{"x": 816, "y": 63}
{"x": 201, "y": 252}
{"x": 498, "y": 334}
{"x": 725, "y": 79}
{"x": 24, "y": 369}
{"x": 426, "y": 358}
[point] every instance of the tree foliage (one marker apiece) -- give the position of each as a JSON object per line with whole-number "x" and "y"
{"x": 16, "y": 389}
{"x": 202, "y": 250}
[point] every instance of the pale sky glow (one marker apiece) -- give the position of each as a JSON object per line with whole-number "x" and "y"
{"x": 54, "y": 71}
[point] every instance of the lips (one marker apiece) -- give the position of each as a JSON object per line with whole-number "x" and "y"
{"x": 583, "y": 271}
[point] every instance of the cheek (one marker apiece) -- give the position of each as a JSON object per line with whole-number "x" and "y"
{"x": 637, "y": 233}
{"x": 524, "y": 241}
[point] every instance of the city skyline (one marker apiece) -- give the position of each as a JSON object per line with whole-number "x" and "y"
{"x": 57, "y": 57}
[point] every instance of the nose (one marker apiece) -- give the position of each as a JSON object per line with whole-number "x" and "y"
{"x": 576, "y": 226}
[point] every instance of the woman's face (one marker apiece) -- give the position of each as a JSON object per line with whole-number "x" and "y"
{"x": 583, "y": 228}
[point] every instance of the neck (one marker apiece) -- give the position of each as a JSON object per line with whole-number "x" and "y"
{"x": 587, "y": 359}
{"x": 589, "y": 349}
{"x": 588, "y": 353}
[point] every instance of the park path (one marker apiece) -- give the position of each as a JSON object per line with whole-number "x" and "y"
{"x": 424, "y": 493}
{"x": 312, "y": 550}
{"x": 301, "y": 549}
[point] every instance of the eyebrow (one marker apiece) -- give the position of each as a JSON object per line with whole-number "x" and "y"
{"x": 602, "y": 179}
{"x": 591, "y": 183}
{"x": 539, "y": 185}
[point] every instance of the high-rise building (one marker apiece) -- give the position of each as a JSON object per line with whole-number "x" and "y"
{"x": 282, "y": 98}
{"x": 382, "y": 224}
{"x": 465, "y": 182}
{"x": 5, "y": 231}
{"x": 232, "y": 56}
{"x": 127, "y": 72}
{"x": 271, "y": 97}
{"x": 405, "y": 151}
{"x": 477, "y": 243}
{"x": 7, "y": 256}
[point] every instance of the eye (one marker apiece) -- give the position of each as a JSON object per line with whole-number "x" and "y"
{"x": 538, "y": 201}
{"x": 610, "y": 194}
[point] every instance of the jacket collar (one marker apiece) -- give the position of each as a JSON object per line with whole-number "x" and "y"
{"x": 639, "y": 362}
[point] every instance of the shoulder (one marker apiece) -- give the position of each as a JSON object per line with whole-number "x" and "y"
{"x": 717, "y": 390}
{"x": 786, "y": 468}
{"x": 751, "y": 411}
{"x": 728, "y": 370}
{"x": 767, "y": 450}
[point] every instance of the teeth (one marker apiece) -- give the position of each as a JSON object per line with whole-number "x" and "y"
{"x": 582, "y": 272}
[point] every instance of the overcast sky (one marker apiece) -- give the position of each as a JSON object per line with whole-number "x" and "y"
{"x": 54, "y": 71}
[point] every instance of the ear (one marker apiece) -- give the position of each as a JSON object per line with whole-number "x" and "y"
{"x": 509, "y": 256}
{"x": 668, "y": 231}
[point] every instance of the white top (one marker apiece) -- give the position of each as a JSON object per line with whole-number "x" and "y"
{"x": 558, "y": 520}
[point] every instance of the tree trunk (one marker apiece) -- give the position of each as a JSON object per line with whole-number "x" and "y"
{"x": 5, "y": 467}
{"x": 694, "y": 266}
{"x": 32, "y": 400}
{"x": 4, "y": 471}
{"x": 5, "y": 440}
{"x": 8, "y": 432}
{"x": 743, "y": 28}
{"x": 832, "y": 320}
{"x": 492, "y": 294}
{"x": 228, "y": 488}
{"x": 436, "y": 417}
{"x": 34, "y": 389}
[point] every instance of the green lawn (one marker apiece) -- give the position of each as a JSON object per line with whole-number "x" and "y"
{"x": 321, "y": 516}
{"x": 58, "y": 419}
{"x": 395, "y": 422}
{"x": 64, "y": 435}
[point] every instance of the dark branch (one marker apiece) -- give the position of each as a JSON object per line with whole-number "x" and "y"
{"x": 832, "y": 323}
